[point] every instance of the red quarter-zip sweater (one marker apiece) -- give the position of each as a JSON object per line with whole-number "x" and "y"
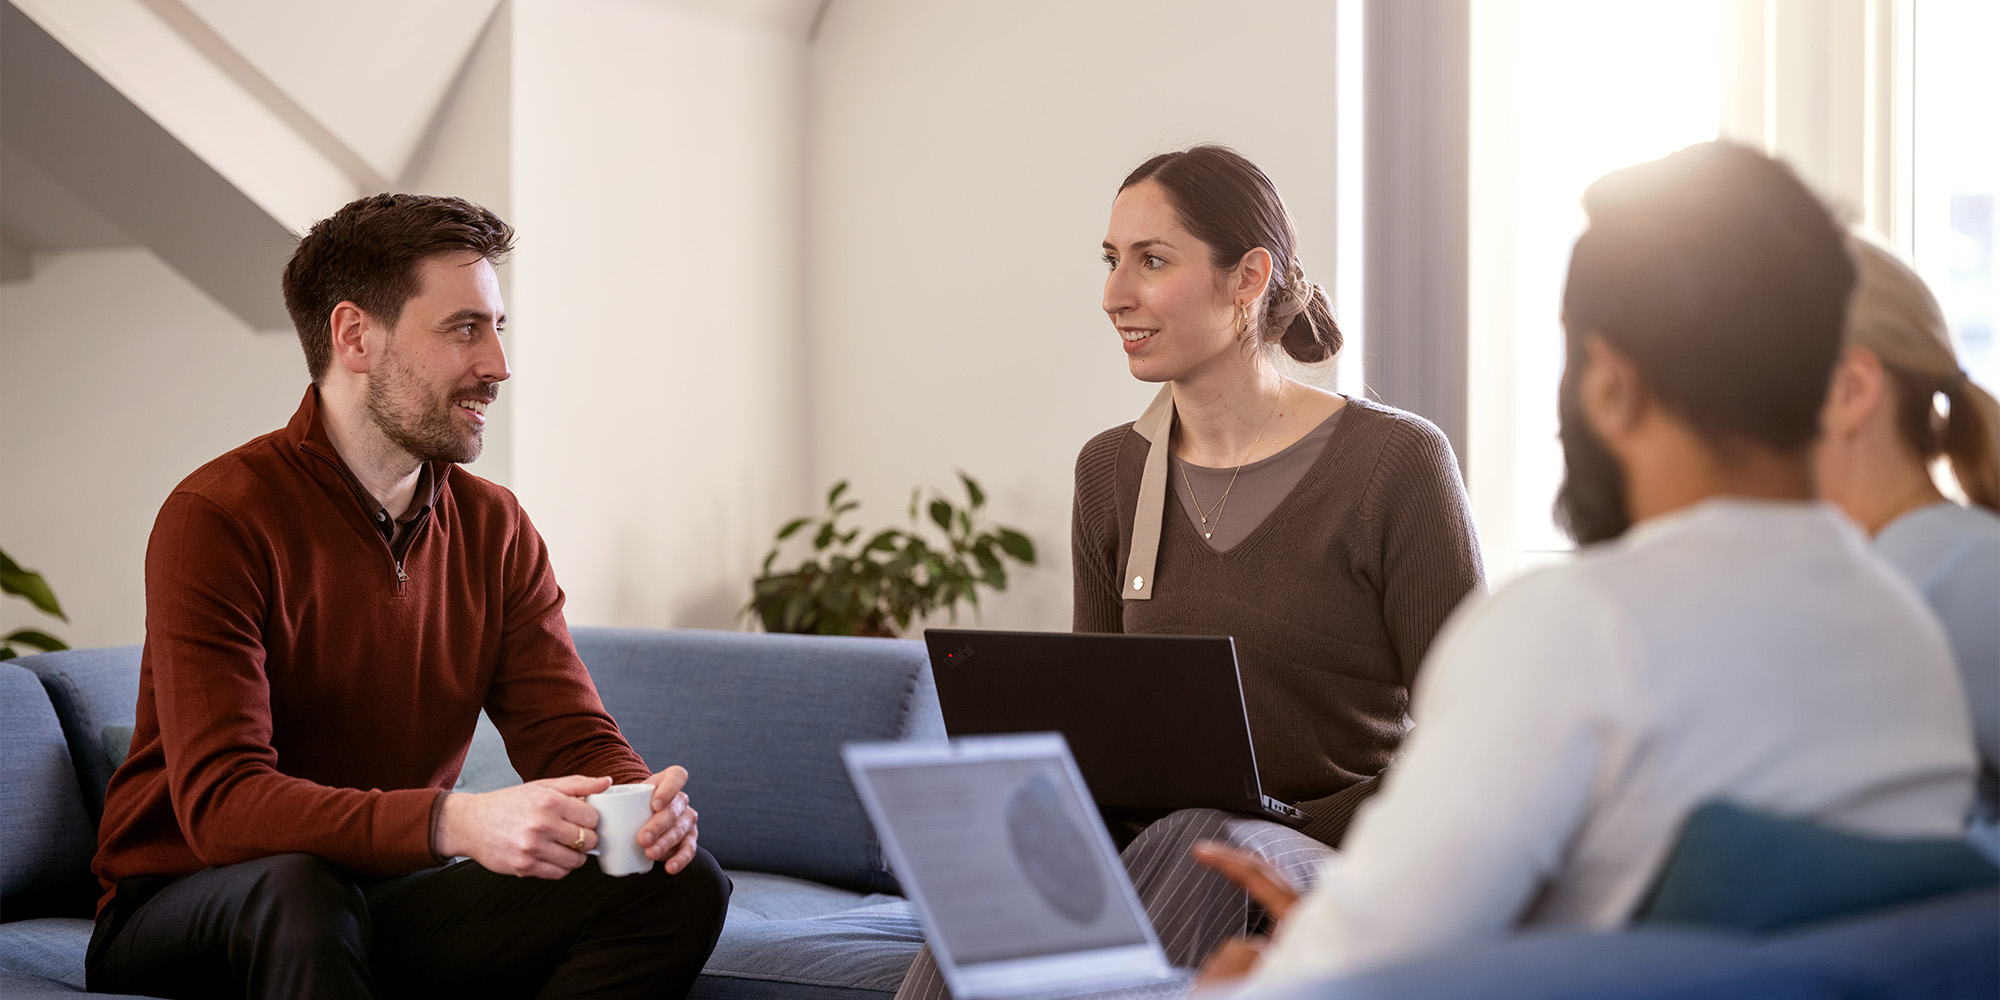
{"x": 302, "y": 691}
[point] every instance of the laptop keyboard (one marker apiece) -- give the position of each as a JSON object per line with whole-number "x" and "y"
{"x": 1166, "y": 989}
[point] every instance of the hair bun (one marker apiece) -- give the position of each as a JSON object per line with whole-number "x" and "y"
{"x": 1301, "y": 310}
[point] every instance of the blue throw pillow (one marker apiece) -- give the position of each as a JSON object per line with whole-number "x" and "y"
{"x": 1747, "y": 871}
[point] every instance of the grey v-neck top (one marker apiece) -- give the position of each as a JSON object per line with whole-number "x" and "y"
{"x": 1236, "y": 510}
{"x": 1333, "y": 598}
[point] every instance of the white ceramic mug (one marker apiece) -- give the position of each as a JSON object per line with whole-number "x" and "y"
{"x": 621, "y": 811}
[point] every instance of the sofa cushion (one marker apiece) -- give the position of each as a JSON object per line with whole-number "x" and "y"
{"x": 50, "y": 949}
{"x": 1933, "y": 950}
{"x": 1735, "y": 868}
{"x": 798, "y": 939}
{"x": 1658, "y": 964}
{"x": 49, "y": 839}
{"x": 486, "y": 766}
{"x": 92, "y": 689}
{"x": 758, "y": 720}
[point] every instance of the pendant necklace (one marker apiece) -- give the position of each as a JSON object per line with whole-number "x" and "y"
{"x": 1212, "y": 518}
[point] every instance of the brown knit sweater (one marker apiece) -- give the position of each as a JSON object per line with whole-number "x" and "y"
{"x": 1333, "y": 600}
{"x": 303, "y": 690}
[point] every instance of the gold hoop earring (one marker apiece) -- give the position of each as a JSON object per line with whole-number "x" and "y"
{"x": 1242, "y": 318}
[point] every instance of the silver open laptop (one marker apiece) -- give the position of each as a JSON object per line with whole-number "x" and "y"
{"x": 1021, "y": 894}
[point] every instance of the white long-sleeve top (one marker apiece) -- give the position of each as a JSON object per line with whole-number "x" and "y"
{"x": 1568, "y": 724}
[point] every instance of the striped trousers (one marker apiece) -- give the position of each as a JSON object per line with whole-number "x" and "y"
{"x": 1192, "y": 908}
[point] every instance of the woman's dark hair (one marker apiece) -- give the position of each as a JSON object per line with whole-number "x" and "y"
{"x": 1725, "y": 281}
{"x": 367, "y": 253}
{"x": 1229, "y": 204}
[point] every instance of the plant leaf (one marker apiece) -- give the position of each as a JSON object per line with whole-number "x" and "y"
{"x": 833, "y": 495}
{"x": 941, "y": 513}
{"x": 40, "y": 640}
{"x": 792, "y": 527}
{"x": 1017, "y": 545}
{"x": 28, "y": 584}
{"x": 972, "y": 490}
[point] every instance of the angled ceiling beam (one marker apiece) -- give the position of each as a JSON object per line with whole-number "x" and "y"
{"x": 103, "y": 148}
{"x": 205, "y": 108}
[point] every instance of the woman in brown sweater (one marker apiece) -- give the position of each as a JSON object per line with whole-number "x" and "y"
{"x": 1330, "y": 536}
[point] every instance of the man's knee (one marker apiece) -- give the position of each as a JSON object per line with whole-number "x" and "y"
{"x": 699, "y": 888}
{"x": 292, "y": 901}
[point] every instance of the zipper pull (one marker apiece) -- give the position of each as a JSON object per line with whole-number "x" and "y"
{"x": 401, "y": 577}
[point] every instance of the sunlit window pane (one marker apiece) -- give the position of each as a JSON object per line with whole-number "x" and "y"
{"x": 1589, "y": 86}
{"x": 1956, "y": 136}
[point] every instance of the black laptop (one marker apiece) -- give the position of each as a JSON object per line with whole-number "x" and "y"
{"x": 1156, "y": 722}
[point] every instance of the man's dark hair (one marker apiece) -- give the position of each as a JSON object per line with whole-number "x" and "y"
{"x": 368, "y": 252}
{"x": 1725, "y": 281}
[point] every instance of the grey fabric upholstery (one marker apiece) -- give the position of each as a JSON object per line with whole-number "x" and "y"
{"x": 21, "y": 986}
{"x": 45, "y": 856}
{"x": 91, "y": 689}
{"x": 759, "y": 720}
{"x": 814, "y": 937}
{"x": 50, "y": 948}
{"x": 486, "y": 768}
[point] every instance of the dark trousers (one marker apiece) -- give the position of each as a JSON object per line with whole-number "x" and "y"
{"x": 294, "y": 925}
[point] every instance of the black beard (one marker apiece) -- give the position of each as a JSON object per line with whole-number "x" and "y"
{"x": 1590, "y": 506}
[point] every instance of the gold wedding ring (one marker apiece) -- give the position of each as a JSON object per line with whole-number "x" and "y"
{"x": 579, "y": 838}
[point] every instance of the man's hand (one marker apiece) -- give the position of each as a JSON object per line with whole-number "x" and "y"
{"x": 670, "y": 835}
{"x": 1265, "y": 884}
{"x": 538, "y": 829}
{"x": 1258, "y": 877}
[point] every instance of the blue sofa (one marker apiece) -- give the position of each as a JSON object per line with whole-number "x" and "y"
{"x": 758, "y": 720}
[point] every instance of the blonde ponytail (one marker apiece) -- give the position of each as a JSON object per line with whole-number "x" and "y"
{"x": 1894, "y": 316}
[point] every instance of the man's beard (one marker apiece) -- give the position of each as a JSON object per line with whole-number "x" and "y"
{"x": 1591, "y": 503}
{"x": 432, "y": 433}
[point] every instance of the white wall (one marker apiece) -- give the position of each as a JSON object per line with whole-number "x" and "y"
{"x": 963, "y": 161}
{"x": 117, "y": 379}
{"x": 657, "y": 188}
{"x": 467, "y": 153}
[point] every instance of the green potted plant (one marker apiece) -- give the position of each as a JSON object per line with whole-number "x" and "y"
{"x": 877, "y": 586}
{"x": 28, "y": 585}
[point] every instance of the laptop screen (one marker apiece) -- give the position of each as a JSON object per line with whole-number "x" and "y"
{"x": 1007, "y": 857}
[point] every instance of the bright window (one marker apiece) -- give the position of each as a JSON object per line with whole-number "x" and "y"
{"x": 1956, "y": 159}
{"x": 1564, "y": 91}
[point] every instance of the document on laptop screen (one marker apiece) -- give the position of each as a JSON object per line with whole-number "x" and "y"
{"x": 1006, "y": 858}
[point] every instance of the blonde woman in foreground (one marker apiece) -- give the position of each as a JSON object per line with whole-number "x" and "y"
{"x": 1883, "y": 431}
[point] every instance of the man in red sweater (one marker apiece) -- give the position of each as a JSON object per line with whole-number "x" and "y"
{"x": 328, "y": 608}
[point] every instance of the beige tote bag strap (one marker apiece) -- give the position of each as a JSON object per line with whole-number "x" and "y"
{"x": 1156, "y": 425}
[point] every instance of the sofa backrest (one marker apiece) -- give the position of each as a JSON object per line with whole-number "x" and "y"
{"x": 758, "y": 720}
{"x": 93, "y": 690}
{"x": 46, "y": 846}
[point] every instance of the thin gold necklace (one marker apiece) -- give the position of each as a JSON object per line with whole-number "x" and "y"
{"x": 1215, "y": 512}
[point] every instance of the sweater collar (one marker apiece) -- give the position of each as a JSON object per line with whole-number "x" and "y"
{"x": 306, "y": 431}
